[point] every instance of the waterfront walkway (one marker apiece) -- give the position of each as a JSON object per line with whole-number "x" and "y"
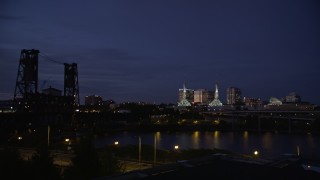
{"x": 221, "y": 166}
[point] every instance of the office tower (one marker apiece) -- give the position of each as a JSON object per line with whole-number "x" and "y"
{"x": 203, "y": 96}
{"x": 233, "y": 96}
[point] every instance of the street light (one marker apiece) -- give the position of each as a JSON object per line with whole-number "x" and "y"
{"x": 176, "y": 148}
{"x": 68, "y": 142}
{"x": 155, "y": 151}
{"x": 139, "y": 152}
{"x": 116, "y": 143}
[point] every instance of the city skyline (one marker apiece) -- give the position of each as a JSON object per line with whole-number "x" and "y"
{"x": 241, "y": 96}
{"x": 145, "y": 50}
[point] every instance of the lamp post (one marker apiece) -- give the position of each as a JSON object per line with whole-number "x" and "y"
{"x": 68, "y": 142}
{"x": 176, "y": 148}
{"x": 48, "y": 135}
{"x": 155, "y": 150}
{"x": 139, "y": 152}
{"x": 116, "y": 144}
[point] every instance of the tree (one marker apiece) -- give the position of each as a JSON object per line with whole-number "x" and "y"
{"x": 41, "y": 166}
{"x": 11, "y": 165}
{"x": 86, "y": 164}
{"x": 109, "y": 164}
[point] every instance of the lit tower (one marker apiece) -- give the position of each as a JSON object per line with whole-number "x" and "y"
{"x": 233, "y": 96}
{"x": 27, "y": 78}
{"x": 184, "y": 101}
{"x": 71, "y": 86}
{"x": 216, "y": 101}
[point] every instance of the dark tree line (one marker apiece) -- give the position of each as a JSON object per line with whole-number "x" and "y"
{"x": 87, "y": 163}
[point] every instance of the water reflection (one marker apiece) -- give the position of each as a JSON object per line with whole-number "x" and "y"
{"x": 246, "y": 141}
{"x": 208, "y": 139}
{"x": 268, "y": 144}
{"x": 216, "y": 142}
{"x": 183, "y": 139}
{"x": 267, "y": 141}
{"x": 195, "y": 138}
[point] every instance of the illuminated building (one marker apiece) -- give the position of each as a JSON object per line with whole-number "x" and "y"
{"x": 203, "y": 96}
{"x": 93, "y": 100}
{"x": 216, "y": 101}
{"x": 233, "y": 96}
{"x": 185, "y": 96}
{"x": 292, "y": 98}
{"x": 252, "y": 103}
{"x": 274, "y": 101}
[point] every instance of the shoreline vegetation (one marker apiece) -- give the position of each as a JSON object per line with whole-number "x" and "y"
{"x": 88, "y": 162}
{"x": 34, "y": 131}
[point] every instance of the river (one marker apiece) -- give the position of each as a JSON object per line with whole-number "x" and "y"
{"x": 268, "y": 144}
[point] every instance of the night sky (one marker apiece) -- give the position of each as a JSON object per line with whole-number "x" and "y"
{"x": 144, "y": 50}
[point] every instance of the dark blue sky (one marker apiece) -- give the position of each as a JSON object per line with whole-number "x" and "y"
{"x": 143, "y": 50}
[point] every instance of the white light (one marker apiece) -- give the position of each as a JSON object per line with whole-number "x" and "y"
{"x": 116, "y": 143}
{"x": 67, "y": 140}
{"x": 19, "y": 137}
{"x": 256, "y": 153}
{"x": 176, "y": 147}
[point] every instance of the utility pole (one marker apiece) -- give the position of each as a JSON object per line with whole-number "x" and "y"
{"x": 48, "y": 135}
{"x": 155, "y": 150}
{"x": 139, "y": 152}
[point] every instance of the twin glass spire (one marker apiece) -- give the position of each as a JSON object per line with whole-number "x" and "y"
{"x": 216, "y": 101}
{"x": 185, "y": 102}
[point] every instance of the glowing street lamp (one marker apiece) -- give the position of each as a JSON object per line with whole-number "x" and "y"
{"x": 116, "y": 143}
{"x": 256, "y": 153}
{"x": 176, "y": 153}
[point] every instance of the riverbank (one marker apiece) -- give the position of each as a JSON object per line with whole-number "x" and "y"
{"x": 226, "y": 166}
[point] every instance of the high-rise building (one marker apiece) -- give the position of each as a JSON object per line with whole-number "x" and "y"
{"x": 93, "y": 100}
{"x": 203, "y": 96}
{"x": 233, "y": 96}
{"x": 293, "y": 98}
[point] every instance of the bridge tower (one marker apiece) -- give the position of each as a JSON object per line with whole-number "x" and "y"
{"x": 27, "y": 78}
{"x": 71, "y": 85}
